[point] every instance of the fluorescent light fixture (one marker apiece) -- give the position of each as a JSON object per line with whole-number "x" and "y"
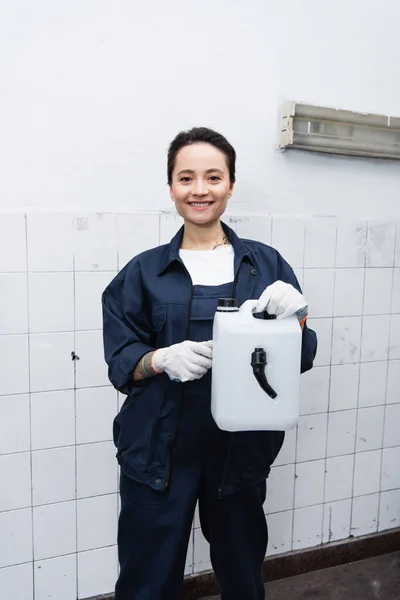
{"x": 321, "y": 129}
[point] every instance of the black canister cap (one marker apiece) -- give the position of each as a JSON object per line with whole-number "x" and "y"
{"x": 228, "y": 304}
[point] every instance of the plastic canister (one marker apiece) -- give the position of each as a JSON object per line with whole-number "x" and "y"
{"x": 256, "y": 369}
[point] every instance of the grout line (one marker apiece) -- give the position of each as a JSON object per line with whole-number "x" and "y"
{"x": 297, "y": 427}
{"x": 328, "y": 418}
{"x": 386, "y": 383}
{"x": 75, "y": 430}
{"x": 30, "y": 409}
{"x": 359, "y": 375}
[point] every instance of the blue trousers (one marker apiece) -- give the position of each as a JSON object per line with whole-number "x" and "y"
{"x": 154, "y": 530}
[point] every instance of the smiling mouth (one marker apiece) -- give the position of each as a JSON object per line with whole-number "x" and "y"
{"x": 200, "y": 204}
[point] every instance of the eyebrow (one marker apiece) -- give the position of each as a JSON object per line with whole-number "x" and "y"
{"x": 192, "y": 172}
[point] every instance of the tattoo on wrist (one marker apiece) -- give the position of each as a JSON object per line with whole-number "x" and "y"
{"x": 144, "y": 367}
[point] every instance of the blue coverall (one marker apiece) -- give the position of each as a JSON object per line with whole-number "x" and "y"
{"x": 170, "y": 450}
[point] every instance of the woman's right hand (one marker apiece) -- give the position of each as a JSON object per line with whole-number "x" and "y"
{"x": 183, "y": 362}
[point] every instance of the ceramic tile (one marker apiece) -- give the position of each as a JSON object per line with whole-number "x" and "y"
{"x": 280, "y": 489}
{"x": 372, "y": 384}
{"x": 311, "y": 439}
{"x": 380, "y": 243}
{"x": 370, "y": 428}
{"x": 288, "y": 452}
{"x": 390, "y": 468}
{"x": 364, "y": 518}
{"x": 280, "y": 532}
{"x": 51, "y": 365}
{"x": 351, "y": 243}
{"x": 89, "y": 287}
{"x": 12, "y": 243}
{"x": 375, "y": 338}
{"x": 16, "y": 582}
{"x": 378, "y": 291}
{"x": 14, "y": 364}
{"x": 336, "y": 524}
{"x": 136, "y": 233}
{"x": 318, "y": 289}
{"x": 339, "y": 478}
{"x": 189, "y": 555}
{"x": 53, "y": 475}
{"x": 393, "y": 382}
{"x": 307, "y": 527}
{"x": 341, "y": 432}
{"x": 97, "y": 522}
{"x": 349, "y": 290}
{"x": 97, "y": 572}
{"x": 394, "y": 348}
{"x": 17, "y": 491}
{"x": 201, "y": 553}
{"x": 397, "y": 250}
{"x": 96, "y": 469}
{"x": 395, "y": 305}
{"x": 309, "y": 485}
{"x": 54, "y": 530}
{"x": 288, "y": 239}
{"x": 389, "y": 510}
{"x": 344, "y": 387}
{"x": 14, "y": 424}
{"x": 14, "y": 305}
{"x": 255, "y": 228}
{"x": 169, "y": 226}
{"x": 95, "y": 242}
{"x": 101, "y": 401}
{"x": 53, "y": 419}
{"x": 320, "y": 243}
{"x": 299, "y": 273}
{"x": 50, "y": 242}
{"x": 367, "y": 472}
{"x": 314, "y": 391}
{"x": 391, "y": 436}
{"x": 346, "y": 341}
{"x": 16, "y": 537}
{"x": 91, "y": 368}
{"x": 51, "y": 302}
{"x": 323, "y": 329}
{"x": 56, "y": 578}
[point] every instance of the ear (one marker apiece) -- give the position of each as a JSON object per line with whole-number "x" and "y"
{"x": 232, "y": 187}
{"x": 171, "y": 194}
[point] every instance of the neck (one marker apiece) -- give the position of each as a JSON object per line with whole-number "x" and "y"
{"x": 202, "y": 237}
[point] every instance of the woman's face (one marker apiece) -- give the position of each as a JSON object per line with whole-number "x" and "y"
{"x": 200, "y": 183}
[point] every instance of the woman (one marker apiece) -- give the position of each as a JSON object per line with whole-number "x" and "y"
{"x": 158, "y": 315}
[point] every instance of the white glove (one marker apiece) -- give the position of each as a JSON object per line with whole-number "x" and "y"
{"x": 183, "y": 362}
{"x": 282, "y": 299}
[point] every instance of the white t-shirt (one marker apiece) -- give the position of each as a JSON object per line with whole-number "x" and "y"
{"x": 209, "y": 267}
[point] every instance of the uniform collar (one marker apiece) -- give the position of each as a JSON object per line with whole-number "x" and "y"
{"x": 172, "y": 254}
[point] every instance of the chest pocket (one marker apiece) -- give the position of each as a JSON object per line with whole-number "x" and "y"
{"x": 158, "y": 320}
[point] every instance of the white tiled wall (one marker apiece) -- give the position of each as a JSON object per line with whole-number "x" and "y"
{"x": 338, "y": 472}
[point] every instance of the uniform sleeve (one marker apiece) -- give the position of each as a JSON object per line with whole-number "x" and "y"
{"x": 126, "y": 334}
{"x": 309, "y": 340}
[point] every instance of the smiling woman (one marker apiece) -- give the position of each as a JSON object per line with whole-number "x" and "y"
{"x": 201, "y": 176}
{"x": 158, "y": 320}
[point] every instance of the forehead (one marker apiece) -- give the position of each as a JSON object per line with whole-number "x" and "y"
{"x": 200, "y": 156}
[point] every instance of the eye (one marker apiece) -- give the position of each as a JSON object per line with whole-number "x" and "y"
{"x": 184, "y": 179}
{"x": 215, "y": 178}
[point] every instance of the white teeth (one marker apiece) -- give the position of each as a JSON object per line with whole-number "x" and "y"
{"x": 200, "y": 203}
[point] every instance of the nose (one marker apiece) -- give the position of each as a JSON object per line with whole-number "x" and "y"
{"x": 200, "y": 188}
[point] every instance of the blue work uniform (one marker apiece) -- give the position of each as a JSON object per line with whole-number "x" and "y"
{"x": 170, "y": 450}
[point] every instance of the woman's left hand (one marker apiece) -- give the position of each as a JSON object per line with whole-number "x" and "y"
{"x": 282, "y": 299}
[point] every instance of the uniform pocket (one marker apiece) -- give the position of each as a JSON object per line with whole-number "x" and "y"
{"x": 139, "y": 493}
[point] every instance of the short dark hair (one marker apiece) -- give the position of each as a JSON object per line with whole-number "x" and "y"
{"x": 201, "y": 135}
